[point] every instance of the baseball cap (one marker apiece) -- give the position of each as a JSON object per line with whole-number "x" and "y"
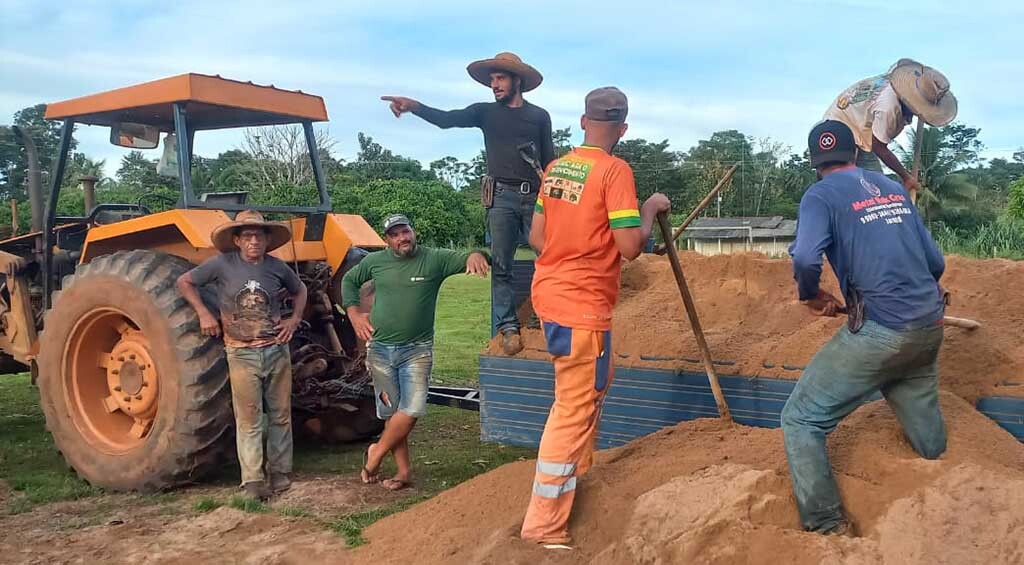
{"x": 831, "y": 141}
{"x": 606, "y": 104}
{"x": 396, "y": 220}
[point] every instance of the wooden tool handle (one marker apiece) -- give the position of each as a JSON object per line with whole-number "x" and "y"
{"x": 691, "y": 311}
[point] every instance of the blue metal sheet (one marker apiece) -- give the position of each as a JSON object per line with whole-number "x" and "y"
{"x": 1007, "y": 412}
{"x": 517, "y": 394}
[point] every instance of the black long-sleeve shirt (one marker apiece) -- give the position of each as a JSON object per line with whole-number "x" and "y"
{"x": 504, "y": 130}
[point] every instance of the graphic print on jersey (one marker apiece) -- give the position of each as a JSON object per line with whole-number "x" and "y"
{"x": 566, "y": 179}
{"x": 891, "y": 207}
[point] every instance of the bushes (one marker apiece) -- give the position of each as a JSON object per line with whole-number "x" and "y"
{"x": 1015, "y": 205}
{"x": 441, "y": 215}
{"x": 1003, "y": 238}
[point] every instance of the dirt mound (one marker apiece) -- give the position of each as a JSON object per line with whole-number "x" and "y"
{"x": 755, "y": 325}
{"x": 708, "y": 492}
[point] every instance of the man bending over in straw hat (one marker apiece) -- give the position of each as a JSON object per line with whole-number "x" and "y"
{"x": 509, "y": 191}
{"x": 250, "y": 283}
{"x": 878, "y": 108}
{"x": 586, "y": 220}
{"x": 400, "y": 333}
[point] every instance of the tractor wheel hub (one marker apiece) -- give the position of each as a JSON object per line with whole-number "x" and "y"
{"x": 131, "y": 376}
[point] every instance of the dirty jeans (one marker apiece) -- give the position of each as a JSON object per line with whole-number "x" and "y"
{"x": 903, "y": 365}
{"x": 583, "y": 373}
{"x": 261, "y": 381}
{"x": 509, "y": 223}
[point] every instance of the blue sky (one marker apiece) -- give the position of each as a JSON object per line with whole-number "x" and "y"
{"x": 768, "y": 69}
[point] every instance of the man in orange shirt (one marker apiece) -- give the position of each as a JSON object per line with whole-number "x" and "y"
{"x": 586, "y": 219}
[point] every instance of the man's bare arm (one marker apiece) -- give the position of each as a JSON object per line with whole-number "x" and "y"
{"x": 207, "y": 322}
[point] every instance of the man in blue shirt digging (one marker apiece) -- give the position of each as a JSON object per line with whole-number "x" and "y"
{"x": 888, "y": 267}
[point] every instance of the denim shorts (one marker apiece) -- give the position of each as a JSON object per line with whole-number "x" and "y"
{"x": 402, "y": 374}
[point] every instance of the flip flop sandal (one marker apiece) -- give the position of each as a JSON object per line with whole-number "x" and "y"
{"x": 395, "y": 484}
{"x": 371, "y": 476}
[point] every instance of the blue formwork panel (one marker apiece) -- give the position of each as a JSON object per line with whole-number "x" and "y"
{"x": 516, "y": 395}
{"x": 1007, "y": 412}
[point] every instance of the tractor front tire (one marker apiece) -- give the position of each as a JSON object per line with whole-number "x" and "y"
{"x": 136, "y": 398}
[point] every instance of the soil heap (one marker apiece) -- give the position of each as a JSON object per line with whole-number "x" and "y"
{"x": 708, "y": 492}
{"x": 755, "y": 324}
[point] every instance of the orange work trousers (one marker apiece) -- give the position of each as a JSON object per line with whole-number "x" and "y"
{"x": 583, "y": 373}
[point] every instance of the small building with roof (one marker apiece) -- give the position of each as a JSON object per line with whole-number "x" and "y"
{"x": 716, "y": 236}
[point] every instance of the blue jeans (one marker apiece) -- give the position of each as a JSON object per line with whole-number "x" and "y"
{"x": 903, "y": 365}
{"x": 509, "y": 223}
{"x": 401, "y": 377}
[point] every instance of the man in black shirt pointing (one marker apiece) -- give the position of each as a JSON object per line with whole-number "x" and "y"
{"x": 507, "y": 123}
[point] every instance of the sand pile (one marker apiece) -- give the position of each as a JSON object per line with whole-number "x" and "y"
{"x": 755, "y": 325}
{"x": 707, "y": 492}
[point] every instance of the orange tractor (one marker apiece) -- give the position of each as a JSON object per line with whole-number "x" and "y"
{"x": 134, "y": 395}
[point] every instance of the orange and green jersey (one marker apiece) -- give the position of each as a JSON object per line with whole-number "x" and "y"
{"x": 584, "y": 196}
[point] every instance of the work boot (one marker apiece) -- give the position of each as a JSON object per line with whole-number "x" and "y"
{"x": 511, "y": 342}
{"x": 279, "y": 482}
{"x": 256, "y": 490}
{"x": 533, "y": 323}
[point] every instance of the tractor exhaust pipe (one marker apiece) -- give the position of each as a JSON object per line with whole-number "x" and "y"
{"x": 35, "y": 177}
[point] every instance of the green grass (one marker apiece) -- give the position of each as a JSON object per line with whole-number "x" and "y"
{"x": 351, "y": 526}
{"x": 463, "y": 326}
{"x": 206, "y": 504}
{"x": 294, "y": 512}
{"x": 29, "y": 462}
{"x": 246, "y": 504}
{"x": 462, "y": 329}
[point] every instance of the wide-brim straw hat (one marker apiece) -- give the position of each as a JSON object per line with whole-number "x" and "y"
{"x": 509, "y": 62}
{"x": 925, "y": 91}
{"x": 223, "y": 235}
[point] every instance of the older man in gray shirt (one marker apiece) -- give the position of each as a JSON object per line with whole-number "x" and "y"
{"x": 250, "y": 284}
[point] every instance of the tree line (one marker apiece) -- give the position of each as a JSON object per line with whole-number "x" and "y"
{"x": 964, "y": 197}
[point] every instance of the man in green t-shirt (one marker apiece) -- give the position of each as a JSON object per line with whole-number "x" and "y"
{"x": 400, "y": 333}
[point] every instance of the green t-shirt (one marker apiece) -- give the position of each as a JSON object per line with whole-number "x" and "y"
{"x": 406, "y": 290}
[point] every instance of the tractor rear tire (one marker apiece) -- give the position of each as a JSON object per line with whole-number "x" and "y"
{"x": 136, "y": 398}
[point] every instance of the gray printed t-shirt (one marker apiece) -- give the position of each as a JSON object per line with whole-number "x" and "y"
{"x": 247, "y": 295}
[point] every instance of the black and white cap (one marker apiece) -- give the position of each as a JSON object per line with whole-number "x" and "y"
{"x": 831, "y": 141}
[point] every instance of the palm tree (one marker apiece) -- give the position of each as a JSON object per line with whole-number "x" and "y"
{"x": 80, "y": 165}
{"x": 945, "y": 194}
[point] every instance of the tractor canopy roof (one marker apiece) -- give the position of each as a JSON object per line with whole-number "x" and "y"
{"x": 212, "y": 103}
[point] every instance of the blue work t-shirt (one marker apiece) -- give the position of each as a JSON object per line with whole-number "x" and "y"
{"x": 876, "y": 242}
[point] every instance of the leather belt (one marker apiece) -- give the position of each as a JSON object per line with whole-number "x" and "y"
{"x": 523, "y": 187}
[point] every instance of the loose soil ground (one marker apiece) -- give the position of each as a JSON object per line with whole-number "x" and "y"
{"x": 707, "y": 492}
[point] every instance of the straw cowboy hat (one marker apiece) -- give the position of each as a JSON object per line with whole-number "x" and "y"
{"x": 223, "y": 235}
{"x": 924, "y": 90}
{"x": 508, "y": 62}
